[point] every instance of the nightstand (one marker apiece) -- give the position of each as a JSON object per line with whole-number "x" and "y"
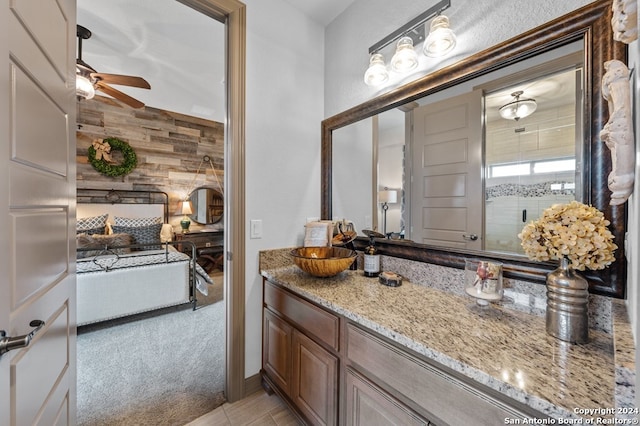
{"x": 209, "y": 248}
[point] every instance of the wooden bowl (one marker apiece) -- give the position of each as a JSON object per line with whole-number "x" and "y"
{"x": 323, "y": 261}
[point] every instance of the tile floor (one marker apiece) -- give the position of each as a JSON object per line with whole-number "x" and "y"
{"x": 258, "y": 409}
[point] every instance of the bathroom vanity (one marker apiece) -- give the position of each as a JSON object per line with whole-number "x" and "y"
{"x": 348, "y": 350}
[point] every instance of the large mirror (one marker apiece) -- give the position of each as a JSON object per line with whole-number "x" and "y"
{"x": 367, "y": 151}
{"x": 207, "y": 205}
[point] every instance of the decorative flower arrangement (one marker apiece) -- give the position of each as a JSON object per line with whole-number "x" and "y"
{"x": 574, "y": 230}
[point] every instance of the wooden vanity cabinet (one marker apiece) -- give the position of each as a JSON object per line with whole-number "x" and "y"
{"x": 331, "y": 370}
{"x": 299, "y": 354}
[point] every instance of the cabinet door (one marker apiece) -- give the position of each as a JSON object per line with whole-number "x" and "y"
{"x": 368, "y": 405}
{"x": 276, "y": 350}
{"x": 315, "y": 381}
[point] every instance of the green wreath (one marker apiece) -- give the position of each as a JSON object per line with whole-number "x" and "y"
{"x": 114, "y": 170}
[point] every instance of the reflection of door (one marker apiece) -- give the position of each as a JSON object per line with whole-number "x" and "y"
{"x": 446, "y": 203}
{"x": 37, "y": 188}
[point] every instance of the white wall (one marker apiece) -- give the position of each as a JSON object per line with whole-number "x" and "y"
{"x": 478, "y": 25}
{"x": 284, "y": 107}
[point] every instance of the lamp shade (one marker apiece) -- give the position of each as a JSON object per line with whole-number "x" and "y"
{"x": 441, "y": 39}
{"x": 377, "y": 72}
{"x": 388, "y": 196}
{"x": 518, "y": 108}
{"x": 185, "y": 208}
{"x": 405, "y": 58}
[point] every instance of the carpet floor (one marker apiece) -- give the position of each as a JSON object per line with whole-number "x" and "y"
{"x": 161, "y": 368}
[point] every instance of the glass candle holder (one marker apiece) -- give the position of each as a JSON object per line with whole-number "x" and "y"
{"x": 483, "y": 280}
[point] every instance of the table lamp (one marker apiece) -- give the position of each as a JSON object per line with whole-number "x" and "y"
{"x": 185, "y": 209}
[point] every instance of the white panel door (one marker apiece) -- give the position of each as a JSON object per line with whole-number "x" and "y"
{"x": 37, "y": 211}
{"x": 446, "y": 196}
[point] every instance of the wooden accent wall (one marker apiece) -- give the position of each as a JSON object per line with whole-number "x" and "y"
{"x": 169, "y": 146}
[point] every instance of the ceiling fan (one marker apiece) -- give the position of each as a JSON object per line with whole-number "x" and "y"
{"x": 88, "y": 80}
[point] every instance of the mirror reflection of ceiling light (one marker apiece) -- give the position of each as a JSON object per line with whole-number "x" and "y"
{"x": 441, "y": 40}
{"x": 377, "y": 72}
{"x": 518, "y": 108}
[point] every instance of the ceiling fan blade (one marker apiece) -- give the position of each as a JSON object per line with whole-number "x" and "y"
{"x": 132, "y": 102}
{"x": 123, "y": 80}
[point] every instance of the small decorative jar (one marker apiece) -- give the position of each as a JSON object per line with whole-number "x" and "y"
{"x": 483, "y": 280}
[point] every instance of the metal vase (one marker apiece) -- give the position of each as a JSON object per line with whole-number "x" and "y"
{"x": 567, "y": 304}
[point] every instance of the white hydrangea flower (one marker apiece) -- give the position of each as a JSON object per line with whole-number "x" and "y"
{"x": 574, "y": 230}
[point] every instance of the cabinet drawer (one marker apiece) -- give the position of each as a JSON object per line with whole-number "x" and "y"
{"x": 367, "y": 404}
{"x": 444, "y": 398}
{"x": 310, "y": 318}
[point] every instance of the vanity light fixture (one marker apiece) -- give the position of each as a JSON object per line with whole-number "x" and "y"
{"x": 518, "y": 108}
{"x": 441, "y": 40}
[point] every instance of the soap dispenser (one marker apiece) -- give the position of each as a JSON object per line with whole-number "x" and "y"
{"x": 371, "y": 256}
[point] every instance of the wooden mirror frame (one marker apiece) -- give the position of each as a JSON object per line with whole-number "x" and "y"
{"x": 592, "y": 24}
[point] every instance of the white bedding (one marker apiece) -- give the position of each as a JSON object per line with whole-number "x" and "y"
{"x": 115, "y": 286}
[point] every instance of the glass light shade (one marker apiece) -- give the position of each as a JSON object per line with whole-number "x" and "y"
{"x": 405, "y": 58}
{"x": 84, "y": 87}
{"x": 441, "y": 39}
{"x": 519, "y": 108}
{"x": 377, "y": 72}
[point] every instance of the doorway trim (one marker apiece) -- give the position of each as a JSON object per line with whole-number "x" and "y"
{"x": 233, "y": 14}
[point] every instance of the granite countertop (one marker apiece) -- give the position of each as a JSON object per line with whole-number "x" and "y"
{"x": 506, "y": 350}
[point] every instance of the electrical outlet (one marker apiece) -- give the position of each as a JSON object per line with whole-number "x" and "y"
{"x": 256, "y": 229}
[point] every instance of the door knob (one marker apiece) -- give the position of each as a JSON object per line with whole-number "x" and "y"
{"x": 10, "y": 343}
{"x": 470, "y": 237}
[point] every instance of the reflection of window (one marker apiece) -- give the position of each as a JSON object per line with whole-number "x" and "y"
{"x": 532, "y": 167}
{"x": 504, "y": 170}
{"x": 555, "y": 166}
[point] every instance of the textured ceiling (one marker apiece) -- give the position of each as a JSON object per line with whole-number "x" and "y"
{"x": 179, "y": 51}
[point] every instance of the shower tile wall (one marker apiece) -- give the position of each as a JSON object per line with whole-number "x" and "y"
{"x": 510, "y": 202}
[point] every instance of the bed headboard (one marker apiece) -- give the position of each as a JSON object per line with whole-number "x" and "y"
{"x": 125, "y": 203}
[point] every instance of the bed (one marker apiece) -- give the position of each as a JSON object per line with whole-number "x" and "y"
{"x": 126, "y": 264}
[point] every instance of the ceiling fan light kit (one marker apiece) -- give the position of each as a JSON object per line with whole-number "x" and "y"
{"x": 88, "y": 80}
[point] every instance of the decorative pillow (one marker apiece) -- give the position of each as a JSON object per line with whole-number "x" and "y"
{"x": 91, "y": 225}
{"x": 142, "y": 234}
{"x": 99, "y": 242}
{"x": 136, "y": 221}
